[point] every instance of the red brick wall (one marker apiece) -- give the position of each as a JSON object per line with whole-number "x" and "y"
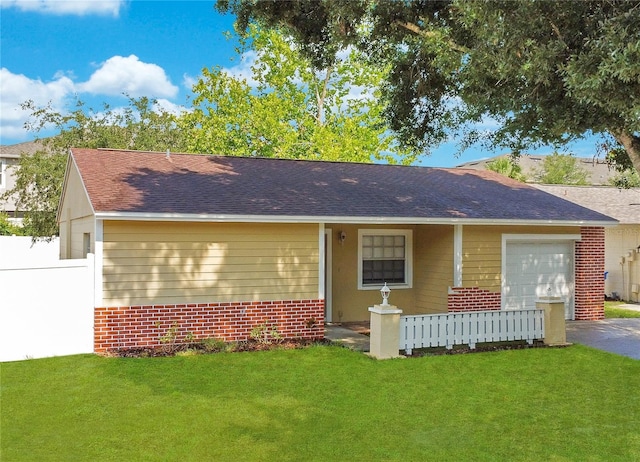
{"x": 472, "y": 299}
{"x": 589, "y": 270}
{"x": 143, "y": 326}
{"x": 589, "y": 282}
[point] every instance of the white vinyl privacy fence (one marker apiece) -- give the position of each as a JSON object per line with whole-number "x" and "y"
{"x": 470, "y": 328}
{"x": 46, "y": 308}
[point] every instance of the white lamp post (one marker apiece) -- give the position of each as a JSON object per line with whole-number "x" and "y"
{"x": 384, "y": 338}
{"x": 385, "y": 291}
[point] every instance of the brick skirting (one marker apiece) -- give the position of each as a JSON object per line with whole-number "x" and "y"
{"x": 472, "y": 299}
{"x": 144, "y": 326}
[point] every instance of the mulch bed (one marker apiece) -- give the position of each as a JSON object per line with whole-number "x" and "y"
{"x": 195, "y": 348}
{"x": 185, "y": 349}
{"x": 480, "y": 348}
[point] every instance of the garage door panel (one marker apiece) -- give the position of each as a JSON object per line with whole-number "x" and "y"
{"x": 538, "y": 269}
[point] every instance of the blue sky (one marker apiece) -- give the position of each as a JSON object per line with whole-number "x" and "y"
{"x": 55, "y": 51}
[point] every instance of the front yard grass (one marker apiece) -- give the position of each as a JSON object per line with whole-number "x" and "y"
{"x": 613, "y": 310}
{"x": 324, "y": 404}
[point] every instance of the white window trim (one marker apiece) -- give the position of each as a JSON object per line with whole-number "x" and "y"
{"x": 408, "y": 260}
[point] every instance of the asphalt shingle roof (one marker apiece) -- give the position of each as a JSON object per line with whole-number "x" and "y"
{"x": 621, "y": 204}
{"x": 152, "y": 183}
{"x": 598, "y": 170}
{"x": 16, "y": 150}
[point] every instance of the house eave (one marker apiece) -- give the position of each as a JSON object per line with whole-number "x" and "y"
{"x": 226, "y": 218}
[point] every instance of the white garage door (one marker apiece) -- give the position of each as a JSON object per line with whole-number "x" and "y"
{"x": 538, "y": 269}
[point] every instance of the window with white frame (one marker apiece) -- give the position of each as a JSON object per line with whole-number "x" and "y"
{"x": 384, "y": 256}
{"x": 3, "y": 180}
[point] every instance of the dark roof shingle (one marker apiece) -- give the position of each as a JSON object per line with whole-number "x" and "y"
{"x": 152, "y": 183}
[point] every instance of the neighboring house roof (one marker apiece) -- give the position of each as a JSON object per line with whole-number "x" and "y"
{"x": 9, "y": 159}
{"x": 16, "y": 150}
{"x": 621, "y": 204}
{"x": 598, "y": 171}
{"x": 146, "y": 185}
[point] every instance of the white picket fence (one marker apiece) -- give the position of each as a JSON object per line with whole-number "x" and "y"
{"x": 470, "y": 328}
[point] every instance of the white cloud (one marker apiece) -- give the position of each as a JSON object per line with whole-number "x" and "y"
{"x": 67, "y": 7}
{"x": 115, "y": 77}
{"x": 168, "y": 106}
{"x": 243, "y": 70}
{"x": 129, "y": 75}
{"x": 188, "y": 81}
{"x": 17, "y": 88}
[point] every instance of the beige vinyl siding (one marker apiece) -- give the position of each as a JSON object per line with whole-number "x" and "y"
{"x": 76, "y": 218}
{"x": 432, "y": 273}
{"x": 482, "y": 252}
{"x": 165, "y": 263}
{"x": 482, "y": 257}
{"x": 80, "y": 227}
{"x": 433, "y": 268}
{"x": 619, "y": 242}
{"x": 348, "y": 302}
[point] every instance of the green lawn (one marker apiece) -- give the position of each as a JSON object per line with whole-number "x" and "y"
{"x": 613, "y": 310}
{"x": 324, "y": 404}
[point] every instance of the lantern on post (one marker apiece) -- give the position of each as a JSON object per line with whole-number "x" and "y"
{"x": 385, "y": 291}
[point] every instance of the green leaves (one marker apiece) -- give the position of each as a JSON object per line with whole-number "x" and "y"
{"x": 38, "y": 186}
{"x": 288, "y": 108}
{"x": 508, "y": 167}
{"x": 561, "y": 169}
{"x": 547, "y": 71}
{"x": 141, "y": 125}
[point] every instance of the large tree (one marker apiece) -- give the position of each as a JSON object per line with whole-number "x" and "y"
{"x": 285, "y": 107}
{"x": 38, "y": 185}
{"x": 546, "y": 72}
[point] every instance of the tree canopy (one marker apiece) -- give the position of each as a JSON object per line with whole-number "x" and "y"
{"x": 545, "y": 72}
{"x": 39, "y": 176}
{"x": 288, "y": 108}
{"x": 285, "y": 108}
{"x": 508, "y": 167}
{"x": 561, "y": 169}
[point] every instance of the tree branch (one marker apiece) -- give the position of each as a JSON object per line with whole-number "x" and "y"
{"x": 556, "y": 31}
{"x": 631, "y": 144}
{"x": 320, "y": 97}
{"x": 411, "y": 27}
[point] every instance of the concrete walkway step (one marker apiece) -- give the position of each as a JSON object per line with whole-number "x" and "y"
{"x": 347, "y": 337}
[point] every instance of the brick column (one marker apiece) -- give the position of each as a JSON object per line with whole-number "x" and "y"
{"x": 589, "y": 271}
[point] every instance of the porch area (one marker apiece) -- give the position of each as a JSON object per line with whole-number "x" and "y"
{"x": 405, "y": 333}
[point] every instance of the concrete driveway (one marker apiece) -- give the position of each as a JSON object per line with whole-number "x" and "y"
{"x": 620, "y": 336}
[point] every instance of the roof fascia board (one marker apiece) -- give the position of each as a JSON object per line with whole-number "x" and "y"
{"x": 139, "y": 216}
{"x": 71, "y": 162}
{"x": 65, "y": 180}
{"x": 540, "y": 237}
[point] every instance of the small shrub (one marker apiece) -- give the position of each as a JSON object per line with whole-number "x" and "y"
{"x": 169, "y": 338}
{"x": 265, "y": 334}
{"x": 7, "y": 228}
{"x": 214, "y": 345}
